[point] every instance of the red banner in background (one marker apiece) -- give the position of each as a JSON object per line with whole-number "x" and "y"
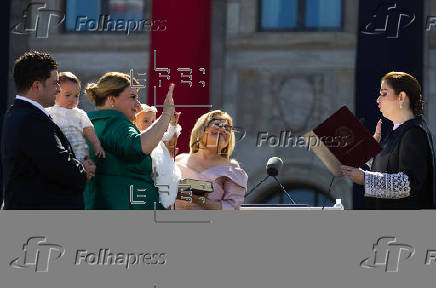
{"x": 180, "y": 54}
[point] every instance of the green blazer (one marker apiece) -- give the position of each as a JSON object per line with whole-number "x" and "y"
{"x": 125, "y": 174}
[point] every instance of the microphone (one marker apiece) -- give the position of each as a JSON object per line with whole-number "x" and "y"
{"x": 273, "y": 166}
{"x": 272, "y": 169}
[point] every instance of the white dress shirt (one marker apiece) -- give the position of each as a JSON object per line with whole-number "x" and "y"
{"x": 34, "y": 103}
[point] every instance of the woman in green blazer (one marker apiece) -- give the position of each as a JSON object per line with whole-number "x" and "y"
{"x": 123, "y": 179}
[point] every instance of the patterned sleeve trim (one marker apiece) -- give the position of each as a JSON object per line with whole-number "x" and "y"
{"x": 387, "y": 186}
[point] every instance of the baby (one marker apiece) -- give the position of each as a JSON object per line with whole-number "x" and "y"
{"x": 167, "y": 175}
{"x": 73, "y": 121}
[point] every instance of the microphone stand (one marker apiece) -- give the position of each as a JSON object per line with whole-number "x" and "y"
{"x": 277, "y": 180}
{"x": 258, "y": 184}
{"x": 284, "y": 190}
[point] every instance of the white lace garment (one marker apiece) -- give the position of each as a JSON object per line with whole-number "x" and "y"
{"x": 386, "y": 186}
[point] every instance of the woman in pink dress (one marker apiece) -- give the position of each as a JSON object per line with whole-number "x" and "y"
{"x": 211, "y": 145}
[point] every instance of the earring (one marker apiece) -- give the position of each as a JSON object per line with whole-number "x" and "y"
{"x": 401, "y": 106}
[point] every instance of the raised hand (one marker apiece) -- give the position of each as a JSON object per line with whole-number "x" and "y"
{"x": 171, "y": 146}
{"x": 175, "y": 118}
{"x": 377, "y": 134}
{"x": 169, "y": 101}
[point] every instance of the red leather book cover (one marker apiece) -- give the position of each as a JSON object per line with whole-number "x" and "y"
{"x": 342, "y": 139}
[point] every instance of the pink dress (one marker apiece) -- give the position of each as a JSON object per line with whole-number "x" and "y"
{"x": 229, "y": 185}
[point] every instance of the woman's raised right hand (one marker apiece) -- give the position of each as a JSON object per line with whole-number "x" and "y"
{"x": 169, "y": 101}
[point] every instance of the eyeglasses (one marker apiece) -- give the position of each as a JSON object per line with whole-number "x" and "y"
{"x": 219, "y": 124}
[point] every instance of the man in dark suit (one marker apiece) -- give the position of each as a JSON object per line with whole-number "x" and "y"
{"x": 39, "y": 166}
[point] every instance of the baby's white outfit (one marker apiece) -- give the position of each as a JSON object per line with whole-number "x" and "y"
{"x": 166, "y": 174}
{"x": 72, "y": 122}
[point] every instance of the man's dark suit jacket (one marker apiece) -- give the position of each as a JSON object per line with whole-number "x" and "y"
{"x": 39, "y": 166}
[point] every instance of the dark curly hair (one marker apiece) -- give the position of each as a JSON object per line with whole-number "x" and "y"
{"x": 32, "y": 66}
{"x": 403, "y": 82}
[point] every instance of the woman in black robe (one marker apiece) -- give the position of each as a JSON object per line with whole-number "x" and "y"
{"x": 402, "y": 175}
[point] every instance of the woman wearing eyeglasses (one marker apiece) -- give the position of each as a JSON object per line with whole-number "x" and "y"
{"x": 211, "y": 145}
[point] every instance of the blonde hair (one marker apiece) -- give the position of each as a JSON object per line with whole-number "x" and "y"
{"x": 146, "y": 108}
{"x": 68, "y": 76}
{"x": 200, "y": 127}
{"x": 111, "y": 83}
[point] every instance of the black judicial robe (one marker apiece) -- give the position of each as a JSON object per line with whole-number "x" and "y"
{"x": 408, "y": 149}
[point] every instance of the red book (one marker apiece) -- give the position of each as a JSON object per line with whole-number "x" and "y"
{"x": 342, "y": 139}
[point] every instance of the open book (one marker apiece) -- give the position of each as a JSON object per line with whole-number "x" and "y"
{"x": 342, "y": 140}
